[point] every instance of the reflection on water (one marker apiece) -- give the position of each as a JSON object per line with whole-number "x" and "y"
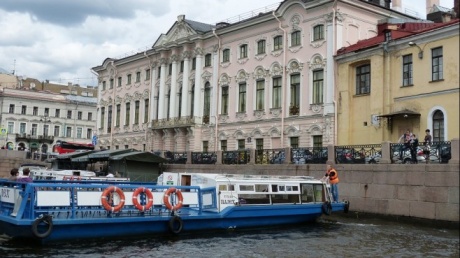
{"x": 336, "y": 237}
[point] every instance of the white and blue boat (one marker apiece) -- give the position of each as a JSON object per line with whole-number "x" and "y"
{"x": 53, "y": 210}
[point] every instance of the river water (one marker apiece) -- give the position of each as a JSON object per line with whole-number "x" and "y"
{"x": 331, "y": 236}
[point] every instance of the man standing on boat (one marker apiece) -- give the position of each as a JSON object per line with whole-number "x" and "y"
{"x": 333, "y": 177}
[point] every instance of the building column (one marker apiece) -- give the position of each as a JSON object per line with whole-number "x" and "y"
{"x": 162, "y": 93}
{"x": 198, "y": 110}
{"x": 173, "y": 96}
{"x": 152, "y": 102}
{"x": 185, "y": 112}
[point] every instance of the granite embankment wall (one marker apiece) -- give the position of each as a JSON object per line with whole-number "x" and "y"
{"x": 428, "y": 191}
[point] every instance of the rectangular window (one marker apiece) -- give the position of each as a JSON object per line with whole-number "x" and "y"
{"x": 90, "y": 116}
{"x": 111, "y": 84}
{"x": 79, "y": 115}
{"x": 11, "y": 109}
{"x": 109, "y": 119}
{"x": 241, "y": 144}
{"x": 47, "y": 112}
{"x": 128, "y": 79}
{"x": 119, "y": 82}
{"x": 69, "y": 114}
{"x": 138, "y": 76}
{"x": 56, "y": 131}
{"x": 136, "y": 111}
{"x": 277, "y": 92}
{"x": 22, "y": 128}
{"x": 278, "y": 43}
{"x": 260, "y": 94}
{"x": 318, "y": 79}
{"x": 181, "y": 66}
{"x": 436, "y": 64}
{"x": 261, "y": 47}
{"x": 295, "y": 38}
{"x": 259, "y": 144}
{"x": 193, "y": 64}
{"x": 35, "y": 111}
{"x": 147, "y": 74}
{"x": 117, "y": 118}
{"x": 207, "y": 60}
{"x": 223, "y": 145}
{"x": 45, "y": 130}
{"x": 317, "y": 141}
{"x": 318, "y": 32}
{"x": 57, "y": 113}
{"x": 102, "y": 117}
{"x": 34, "y": 129}
{"x": 10, "y": 127}
{"x": 294, "y": 141}
{"x": 407, "y": 70}
{"x": 89, "y": 133}
{"x": 104, "y": 85}
{"x": 68, "y": 132}
{"x": 295, "y": 94}
{"x": 146, "y": 110}
{"x": 79, "y": 132}
{"x": 159, "y": 72}
{"x": 244, "y": 51}
{"x": 224, "y": 104}
{"x": 242, "y": 98}
{"x": 226, "y": 55}
{"x": 23, "y": 110}
{"x": 127, "y": 110}
{"x": 363, "y": 79}
{"x": 205, "y": 146}
{"x": 170, "y": 69}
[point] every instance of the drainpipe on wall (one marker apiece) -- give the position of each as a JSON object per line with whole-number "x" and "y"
{"x": 283, "y": 84}
{"x": 98, "y": 95}
{"x": 334, "y": 46}
{"x": 217, "y": 89}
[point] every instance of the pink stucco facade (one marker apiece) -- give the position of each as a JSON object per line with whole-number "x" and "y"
{"x": 265, "y": 82}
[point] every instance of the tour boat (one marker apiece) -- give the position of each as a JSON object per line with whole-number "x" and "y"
{"x": 178, "y": 203}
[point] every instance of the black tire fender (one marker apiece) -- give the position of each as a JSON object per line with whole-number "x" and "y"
{"x": 175, "y": 225}
{"x": 46, "y": 220}
{"x": 346, "y": 207}
{"x": 327, "y": 208}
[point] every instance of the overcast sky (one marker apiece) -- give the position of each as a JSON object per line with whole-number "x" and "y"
{"x": 60, "y": 40}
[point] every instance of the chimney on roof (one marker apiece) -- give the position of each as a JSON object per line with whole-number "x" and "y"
{"x": 181, "y": 17}
{"x": 430, "y": 4}
{"x": 397, "y": 5}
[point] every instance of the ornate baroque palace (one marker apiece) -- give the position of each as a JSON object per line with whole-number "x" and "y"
{"x": 263, "y": 81}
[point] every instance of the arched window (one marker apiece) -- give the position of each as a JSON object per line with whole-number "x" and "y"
{"x": 438, "y": 126}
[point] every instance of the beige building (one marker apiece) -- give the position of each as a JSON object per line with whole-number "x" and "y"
{"x": 264, "y": 82}
{"x": 404, "y": 78}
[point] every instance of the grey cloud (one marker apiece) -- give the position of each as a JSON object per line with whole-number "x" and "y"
{"x": 73, "y": 12}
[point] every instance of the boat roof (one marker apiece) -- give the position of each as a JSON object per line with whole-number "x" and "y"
{"x": 253, "y": 178}
{"x": 72, "y": 155}
{"x": 139, "y": 156}
{"x": 100, "y": 155}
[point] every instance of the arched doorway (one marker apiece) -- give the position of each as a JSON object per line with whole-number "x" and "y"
{"x": 438, "y": 126}
{"x": 21, "y": 146}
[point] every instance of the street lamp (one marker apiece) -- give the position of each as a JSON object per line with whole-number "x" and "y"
{"x": 420, "y": 53}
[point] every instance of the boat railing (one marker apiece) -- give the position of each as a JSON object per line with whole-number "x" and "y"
{"x": 82, "y": 200}
{"x": 266, "y": 177}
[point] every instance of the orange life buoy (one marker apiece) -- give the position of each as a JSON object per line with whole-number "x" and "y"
{"x": 180, "y": 199}
{"x": 106, "y": 194}
{"x": 149, "y": 195}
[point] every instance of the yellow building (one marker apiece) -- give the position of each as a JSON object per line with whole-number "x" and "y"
{"x": 407, "y": 77}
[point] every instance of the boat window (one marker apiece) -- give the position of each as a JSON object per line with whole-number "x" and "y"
{"x": 281, "y": 187}
{"x": 222, "y": 187}
{"x": 261, "y": 188}
{"x": 319, "y": 196}
{"x": 274, "y": 188}
{"x": 254, "y": 199}
{"x": 246, "y": 188}
{"x": 231, "y": 187}
{"x": 307, "y": 193}
{"x": 285, "y": 198}
{"x": 288, "y": 188}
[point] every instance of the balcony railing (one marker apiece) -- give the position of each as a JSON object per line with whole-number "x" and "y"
{"x": 176, "y": 157}
{"x": 439, "y": 152}
{"x": 173, "y": 122}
